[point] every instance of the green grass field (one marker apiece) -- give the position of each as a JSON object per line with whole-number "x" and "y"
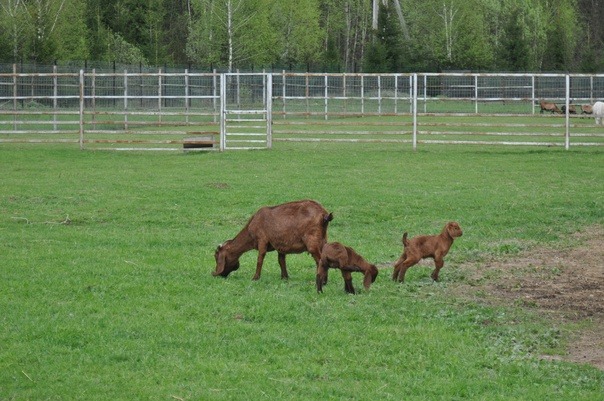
{"x": 106, "y": 291}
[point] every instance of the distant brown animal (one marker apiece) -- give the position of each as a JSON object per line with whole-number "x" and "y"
{"x": 292, "y": 227}
{"x": 548, "y": 106}
{"x": 586, "y": 109}
{"x": 571, "y": 109}
{"x": 426, "y": 246}
{"x": 338, "y": 256}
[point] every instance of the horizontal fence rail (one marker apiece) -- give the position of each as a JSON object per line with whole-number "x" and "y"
{"x": 212, "y": 111}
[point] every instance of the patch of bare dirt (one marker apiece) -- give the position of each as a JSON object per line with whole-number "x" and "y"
{"x": 564, "y": 283}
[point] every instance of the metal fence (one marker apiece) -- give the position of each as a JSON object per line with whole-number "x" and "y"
{"x": 218, "y": 111}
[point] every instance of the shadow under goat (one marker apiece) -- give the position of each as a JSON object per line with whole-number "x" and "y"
{"x": 338, "y": 256}
{"x": 426, "y": 246}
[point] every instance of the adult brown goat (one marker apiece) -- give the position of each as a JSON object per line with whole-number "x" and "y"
{"x": 548, "y": 106}
{"x": 347, "y": 260}
{"x": 292, "y": 227}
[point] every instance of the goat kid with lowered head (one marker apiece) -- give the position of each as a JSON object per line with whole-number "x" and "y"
{"x": 338, "y": 256}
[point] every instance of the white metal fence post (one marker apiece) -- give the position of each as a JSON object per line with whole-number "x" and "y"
{"x": 55, "y": 94}
{"x": 187, "y": 101}
{"x": 223, "y": 94}
{"x": 567, "y": 111}
{"x": 326, "y": 94}
{"x": 269, "y": 110}
{"x": 81, "y": 110}
{"x": 15, "y": 96}
{"x": 533, "y": 94}
{"x": 414, "y": 111}
{"x": 283, "y": 93}
{"x": 476, "y": 93}
{"x": 159, "y": 94}
{"x": 126, "y": 100}
{"x": 93, "y": 95}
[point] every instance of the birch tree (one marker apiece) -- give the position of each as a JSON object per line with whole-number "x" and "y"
{"x": 13, "y": 25}
{"x": 448, "y": 13}
{"x": 299, "y": 33}
{"x": 44, "y": 15}
{"x": 231, "y": 32}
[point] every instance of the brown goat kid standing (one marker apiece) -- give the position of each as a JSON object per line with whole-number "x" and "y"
{"x": 426, "y": 246}
{"x": 338, "y": 256}
{"x": 292, "y": 227}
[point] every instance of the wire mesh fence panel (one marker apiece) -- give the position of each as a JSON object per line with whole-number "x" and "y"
{"x": 159, "y": 109}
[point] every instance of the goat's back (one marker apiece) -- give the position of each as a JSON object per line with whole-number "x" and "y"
{"x": 289, "y": 227}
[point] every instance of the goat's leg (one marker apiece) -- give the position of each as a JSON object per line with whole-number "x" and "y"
{"x": 348, "y": 282}
{"x": 261, "y": 255}
{"x": 284, "y": 274}
{"x": 321, "y": 275}
{"x": 367, "y": 280}
{"x": 438, "y": 263}
{"x": 317, "y": 257}
{"x": 403, "y": 268}
{"x": 397, "y": 268}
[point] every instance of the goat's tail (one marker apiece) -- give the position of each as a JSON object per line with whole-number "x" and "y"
{"x": 405, "y": 240}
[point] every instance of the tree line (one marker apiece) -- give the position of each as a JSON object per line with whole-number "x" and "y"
{"x": 340, "y": 35}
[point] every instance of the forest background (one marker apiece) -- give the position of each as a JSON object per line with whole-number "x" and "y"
{"x": 309, "y": 35}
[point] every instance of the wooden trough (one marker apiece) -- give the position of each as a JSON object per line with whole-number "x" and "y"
{"x": 199, "y": 140}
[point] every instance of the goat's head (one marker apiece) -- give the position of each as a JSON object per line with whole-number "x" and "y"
{"x": 224, "y": 265}
{"x": 370, "y": 276}
{"x": 454, "y": 230}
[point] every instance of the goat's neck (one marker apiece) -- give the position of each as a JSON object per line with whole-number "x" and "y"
{"x": 242, "y": 243}
{"x": 446, "y": 236}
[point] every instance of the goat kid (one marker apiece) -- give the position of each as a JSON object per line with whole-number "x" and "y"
{"x": 292, "y": 227}
{"x": 426, "y": 246}
{"x": 338, "y": 256}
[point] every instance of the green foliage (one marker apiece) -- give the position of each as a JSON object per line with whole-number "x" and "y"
{"x": 72, "y": 37}
{"x": 385, "y": 52}
{"x": 299, "y": 33}
{"x": 427, "y": 35}
{"x": 232, "y": 33}
{"x": 514, "y": 53}
{"x": 107, "y": 257}
{"x": 119, "y": 50}
{"x": 562, "y": 36}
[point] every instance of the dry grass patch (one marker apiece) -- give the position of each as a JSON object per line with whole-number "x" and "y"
{"x": 566, "y": 283}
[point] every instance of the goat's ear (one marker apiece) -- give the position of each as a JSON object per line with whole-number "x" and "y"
{"x": 220, "y": 261}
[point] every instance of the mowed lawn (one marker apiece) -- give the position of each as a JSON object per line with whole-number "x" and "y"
{"x": 106, "y": 291}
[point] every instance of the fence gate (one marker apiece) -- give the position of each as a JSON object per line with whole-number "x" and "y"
{"x": 245, "y": 111}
